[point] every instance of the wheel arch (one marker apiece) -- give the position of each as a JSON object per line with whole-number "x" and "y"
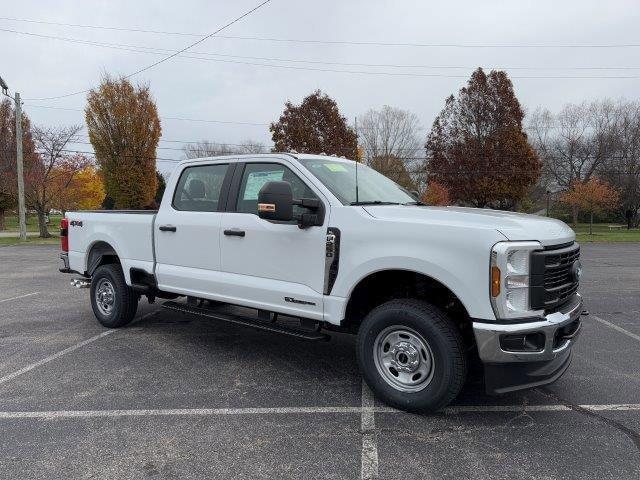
{"x": 100, "y": 253}
{"x": 383, "y": 285}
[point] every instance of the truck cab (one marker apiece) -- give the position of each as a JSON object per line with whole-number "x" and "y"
{"x": 335, "y": 244}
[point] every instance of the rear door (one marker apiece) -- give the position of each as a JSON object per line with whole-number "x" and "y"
{"x": 187, "y": 230}
{"x": 272, "y": 265}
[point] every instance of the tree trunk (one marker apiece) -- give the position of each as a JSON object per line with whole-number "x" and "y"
{"x": 591, "y": 224}
{"x": 574, "y": 211}
{"x": 1, "y": 219}
{"x": 42, "y": 225}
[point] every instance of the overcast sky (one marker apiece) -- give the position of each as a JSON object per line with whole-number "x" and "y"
{"x": 239, "y": 92}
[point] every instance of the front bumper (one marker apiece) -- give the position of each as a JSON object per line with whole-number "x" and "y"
{"x": 508, "y": 369}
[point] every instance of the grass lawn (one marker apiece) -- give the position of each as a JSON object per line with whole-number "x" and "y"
{"x": 602, "y": 233}
{"x": 54, "y": 240}
{"x": 11, "y": 223}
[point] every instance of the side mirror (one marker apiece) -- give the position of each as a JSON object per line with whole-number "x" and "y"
{"x": 275, "y": 201}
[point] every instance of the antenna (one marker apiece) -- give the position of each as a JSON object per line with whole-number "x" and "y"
{"x": 357, "y": 160}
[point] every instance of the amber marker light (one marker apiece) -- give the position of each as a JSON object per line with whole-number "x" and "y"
{"x": 495, "y": 281}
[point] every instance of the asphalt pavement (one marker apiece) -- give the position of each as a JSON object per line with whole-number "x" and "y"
{"x": 175, "y": 396}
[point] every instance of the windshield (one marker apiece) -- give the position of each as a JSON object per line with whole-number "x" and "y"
{"x": 340, "y": 178}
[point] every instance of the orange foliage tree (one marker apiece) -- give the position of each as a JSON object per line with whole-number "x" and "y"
{"x": 85, "y": 191}
{"x": 477, "y": 147}
{"x": 124, "y": 129}
{"x": 592, "y": 196}
{"x": 436, "y": 194}
{"x": 314, "y": 126}
{"x": 47, "y": 178}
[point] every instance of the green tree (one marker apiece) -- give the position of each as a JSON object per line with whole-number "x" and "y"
{"x": 124, "y": 129}
{"x": 477, "y": 147}
{"x": 314, "y": 126}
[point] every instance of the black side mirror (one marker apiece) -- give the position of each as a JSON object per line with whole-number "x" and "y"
{"x": 275, "y": 201}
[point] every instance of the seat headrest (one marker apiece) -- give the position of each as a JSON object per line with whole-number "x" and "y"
{"x": 196, "y": 188}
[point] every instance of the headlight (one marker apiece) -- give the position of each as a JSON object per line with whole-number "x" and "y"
{"x": 509, "y": 282}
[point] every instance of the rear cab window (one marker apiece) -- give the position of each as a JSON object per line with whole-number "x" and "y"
{"x": 199, "y": 188}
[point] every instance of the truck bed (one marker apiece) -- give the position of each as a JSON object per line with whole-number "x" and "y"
{"x": 129, "y": 232}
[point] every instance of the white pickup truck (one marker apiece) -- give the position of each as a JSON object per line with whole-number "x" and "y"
{"x": 339, "y": 247}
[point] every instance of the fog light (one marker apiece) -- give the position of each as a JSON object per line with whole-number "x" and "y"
{"x": 525, "y": 342}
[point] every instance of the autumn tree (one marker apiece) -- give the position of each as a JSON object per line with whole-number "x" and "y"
{"x": 47, "y": 179}
{"x": 205, "y": 148}
{"x": 314, "y": 126}
{"x": 394, "y": 168}
{"x": 477, "y": 147}
{"x": 592, "y": 196}
{"x": 84, "y": 191}
{"x": 391, "y": 142}
{"x": 8, "y": 172}
{"x": 162, "y": 185}
{"x": 597, "y": 138}
{"x": 436, "y": 195}
{"x": 124, "y": 129}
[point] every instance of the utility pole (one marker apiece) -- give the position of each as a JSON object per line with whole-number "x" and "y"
{"x": 20, "y": 168}
{"x": 19, "y": 161}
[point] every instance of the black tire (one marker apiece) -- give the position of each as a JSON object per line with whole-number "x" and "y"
{"x": 124, "y": 305}
{"x": 447, "y": 365}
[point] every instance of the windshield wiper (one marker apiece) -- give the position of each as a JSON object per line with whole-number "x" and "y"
{"x": 374, "y": 202}
{"x": 417, "y": 202}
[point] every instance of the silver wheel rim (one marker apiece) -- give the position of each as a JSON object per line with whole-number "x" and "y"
{"x": 403, "y": 358}
{"x": 105, "y": 296}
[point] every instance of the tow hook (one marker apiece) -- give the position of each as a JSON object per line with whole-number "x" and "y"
{"x": 584, "y": 312}
{"x": 81, "y": 282}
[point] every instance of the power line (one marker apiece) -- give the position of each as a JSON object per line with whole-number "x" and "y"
{"x": 332, "y": 42}
{"x": 148, "y": 67}
{"x": 159, "y": 51}
{"x": 162, "y": 118}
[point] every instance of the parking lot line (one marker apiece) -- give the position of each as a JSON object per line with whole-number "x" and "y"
{"x": 369, "y": 457}
{"x": 616, "y": 327}
{"x": 19, "y": 296}
{"x": 59, "y": 354}
{"x": 371, "y": 467}
{"x": 48, "y": 359}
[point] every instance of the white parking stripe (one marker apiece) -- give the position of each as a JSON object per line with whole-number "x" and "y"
{"x": 369, "y": 457}
{"x": 371, "y": 467}
{"x": 616, "y": 327}
{"x": 48, "y": 359}
{"x": 20, "y": 296}
{"x": 59, "y": 354}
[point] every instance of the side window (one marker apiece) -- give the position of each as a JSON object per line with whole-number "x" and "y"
{"x": 257, "y": 174}
{"x": 198, "y": 189}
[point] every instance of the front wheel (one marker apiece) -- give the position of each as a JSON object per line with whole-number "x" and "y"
{"x": 412, "y": 355}
{"x": 114, "y": 303}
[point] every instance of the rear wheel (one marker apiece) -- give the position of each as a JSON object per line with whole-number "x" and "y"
{"x": 114, "y": 303}
{"x": 412, "y": 355}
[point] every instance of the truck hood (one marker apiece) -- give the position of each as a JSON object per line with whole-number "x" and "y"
{"x": 514, "y": 226}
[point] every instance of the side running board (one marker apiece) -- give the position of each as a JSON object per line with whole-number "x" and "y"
{"x": 246, "y": 321}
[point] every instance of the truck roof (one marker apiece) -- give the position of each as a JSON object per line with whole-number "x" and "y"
{"x": 238, "y": 158}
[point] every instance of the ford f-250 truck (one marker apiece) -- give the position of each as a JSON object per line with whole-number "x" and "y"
{"x": 339, "y": 247}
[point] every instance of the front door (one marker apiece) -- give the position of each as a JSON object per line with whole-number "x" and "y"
{"x": 187, "y": 231}
{"x": 276, "y": 266}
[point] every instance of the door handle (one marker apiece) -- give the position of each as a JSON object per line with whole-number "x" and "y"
{"x": 167, "y": 228}
{"x": 234, "y": 233}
